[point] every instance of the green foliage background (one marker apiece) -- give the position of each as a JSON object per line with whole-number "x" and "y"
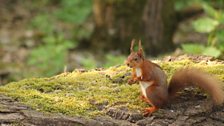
{"x": 49, "y": 57}
{"x": 212, "y": 24}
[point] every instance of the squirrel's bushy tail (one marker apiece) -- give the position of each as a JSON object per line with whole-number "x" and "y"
{"x": 190, "y": 76}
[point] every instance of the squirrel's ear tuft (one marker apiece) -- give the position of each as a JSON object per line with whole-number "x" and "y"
{"x": 132, "y": 45}
{"x": 140, "y": 50}
{"x": 139, "y": 45}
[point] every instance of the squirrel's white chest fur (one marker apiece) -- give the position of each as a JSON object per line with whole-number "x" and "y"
{"x": 143, "y": 84}
{"x": 138, "y": 72}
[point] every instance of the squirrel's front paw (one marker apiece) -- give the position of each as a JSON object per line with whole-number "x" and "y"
{"x": 131, "y": 81}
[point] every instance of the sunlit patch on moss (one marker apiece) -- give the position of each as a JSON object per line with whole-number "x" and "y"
{"x": 93, "y": 92}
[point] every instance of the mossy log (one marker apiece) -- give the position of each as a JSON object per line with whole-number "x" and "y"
{"x": 92, "y": 92}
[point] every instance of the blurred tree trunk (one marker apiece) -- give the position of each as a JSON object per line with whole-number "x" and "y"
{"x": 119, "y": 21}
{"x": 159, "y": 20}
{"x": 116, "y": 23}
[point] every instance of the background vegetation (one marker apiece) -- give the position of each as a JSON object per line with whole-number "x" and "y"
{"x": 47, "y": 37}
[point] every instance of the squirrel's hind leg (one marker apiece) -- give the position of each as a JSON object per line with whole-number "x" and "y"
{"x": 149, "y": 110}
{"x": 143, "y": 98}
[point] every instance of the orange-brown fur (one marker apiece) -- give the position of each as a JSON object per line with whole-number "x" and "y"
{"x": 159, "y": 92}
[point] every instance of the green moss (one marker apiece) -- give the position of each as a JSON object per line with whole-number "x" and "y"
{"x": 92, "y": 92}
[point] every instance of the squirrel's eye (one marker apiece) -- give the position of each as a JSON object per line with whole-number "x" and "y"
{"x": 135, "y": 59}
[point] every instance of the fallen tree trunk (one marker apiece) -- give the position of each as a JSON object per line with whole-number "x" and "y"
{"x": 103, "y": 97}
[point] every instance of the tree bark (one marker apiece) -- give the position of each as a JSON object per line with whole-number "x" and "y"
{"x": 159, "y": 21}
{"x": 116, "y": 23}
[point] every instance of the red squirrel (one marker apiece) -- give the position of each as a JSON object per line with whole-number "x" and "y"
{"x": 153, "y": 81}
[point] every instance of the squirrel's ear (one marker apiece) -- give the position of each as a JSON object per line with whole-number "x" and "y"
{"x": 132, "y": 45}
{"x": 140, "y": 46}
{"x": 140, "y": 50}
